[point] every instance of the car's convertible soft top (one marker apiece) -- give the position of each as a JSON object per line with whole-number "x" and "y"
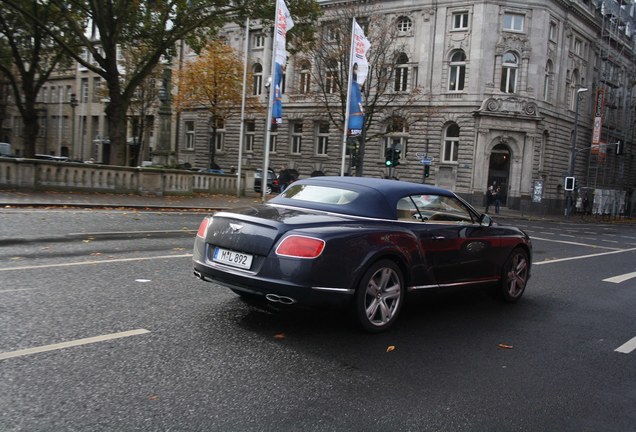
{"x": 371, "y": 197}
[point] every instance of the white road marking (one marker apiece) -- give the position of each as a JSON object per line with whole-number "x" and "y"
{"x": 610, "y": 241}
{"x": 573, "y": 243}
{"x": 621, "y": 278}
{"x": 627, "y": 347}
{"x": 584, "y": 256}
{"x": 567, "y": 235}
{"x": 78, "y": 342}
{"x": 31, "y": 267}
{"x": 131, "y": 232}
{"x": 16, "y": 289}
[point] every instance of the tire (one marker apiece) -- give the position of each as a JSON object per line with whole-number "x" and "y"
{"x": 514, "y": 275}
{"x": 379, "y": 297}
{"x": 268, "y": 190}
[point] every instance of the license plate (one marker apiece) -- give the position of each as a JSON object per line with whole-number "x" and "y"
{"x": 231, "y": 258}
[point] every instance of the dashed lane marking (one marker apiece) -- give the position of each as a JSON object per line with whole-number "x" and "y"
{"x": 73, "y": 343}
{"x": 574, "y": 243}
{"x": 621, "y": 278}
{"x": 627, "y": 347}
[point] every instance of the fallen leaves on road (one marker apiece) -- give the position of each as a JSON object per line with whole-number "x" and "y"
{"x": 279, "y": 336}
{"x": 504, "y": 346}
{"x": 390, "y": 348}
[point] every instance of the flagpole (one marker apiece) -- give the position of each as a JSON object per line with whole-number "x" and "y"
{"x": 270, "y": 99}
{"x": 242, "y": 127}
{"x": 348, "y": 105}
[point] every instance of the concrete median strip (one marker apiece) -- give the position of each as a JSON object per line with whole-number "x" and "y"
{"x": 74, "y": 343}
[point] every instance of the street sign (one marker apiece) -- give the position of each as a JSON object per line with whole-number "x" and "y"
{"x": 426, "y": 160}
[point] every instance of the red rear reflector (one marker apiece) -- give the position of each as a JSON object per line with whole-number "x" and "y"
{"x": 301, "y": 247}
{"x": 203, "y": 228}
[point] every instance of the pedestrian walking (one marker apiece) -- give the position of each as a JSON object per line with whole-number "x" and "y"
{"x": 489, "y": 198}
{"x": 497, "y": 196}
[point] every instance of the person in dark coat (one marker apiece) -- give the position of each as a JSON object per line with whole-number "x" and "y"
{"x": 490, "y": 198}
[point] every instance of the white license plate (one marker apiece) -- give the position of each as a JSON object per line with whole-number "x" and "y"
{"x": 231, "y": 258}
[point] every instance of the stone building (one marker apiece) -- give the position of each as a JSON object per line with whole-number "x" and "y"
{"x": 498, "y": 84}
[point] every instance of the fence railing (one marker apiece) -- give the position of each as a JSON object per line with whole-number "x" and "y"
{"x": 42, "y": 175}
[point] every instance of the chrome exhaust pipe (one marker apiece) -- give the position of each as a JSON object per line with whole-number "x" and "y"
{"x": 198, "y": 274}
{"x": 275, "y": 298}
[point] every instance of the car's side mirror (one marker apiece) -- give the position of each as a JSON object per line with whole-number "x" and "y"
{"x": 485, "y": 220}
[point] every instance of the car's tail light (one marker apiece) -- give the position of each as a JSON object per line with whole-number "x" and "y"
{"x": 275, "y": 182}
{"x": 203, "y": 228}
{"x": 301, "y": 247}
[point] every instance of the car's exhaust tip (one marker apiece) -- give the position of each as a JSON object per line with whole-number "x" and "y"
{"x": 198, "y": 274}
{"x": 275, "y": 298}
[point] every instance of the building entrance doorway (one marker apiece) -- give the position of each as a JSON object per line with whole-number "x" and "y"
{"x": 499, "y": 170}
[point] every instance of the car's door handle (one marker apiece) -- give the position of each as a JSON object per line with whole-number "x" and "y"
{"x": 438, "y": 237}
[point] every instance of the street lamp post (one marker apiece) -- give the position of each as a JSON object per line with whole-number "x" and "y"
{"x": 74, "y": 102}
{"x": 568, "y": 207}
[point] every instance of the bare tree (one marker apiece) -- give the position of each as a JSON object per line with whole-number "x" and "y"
{"x": 384, "y": 87}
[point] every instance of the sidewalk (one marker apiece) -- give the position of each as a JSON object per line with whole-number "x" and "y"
{"x": 10, "y": 199}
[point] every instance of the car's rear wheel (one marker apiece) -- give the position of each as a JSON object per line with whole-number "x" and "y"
{"x": 379, "y": 296}
{"x": 515, "y": 275}
{"x": 268, "y": 190}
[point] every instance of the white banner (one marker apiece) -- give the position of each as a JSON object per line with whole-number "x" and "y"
{"x": 284, "y": 23}
{"x": 360, "y": 47}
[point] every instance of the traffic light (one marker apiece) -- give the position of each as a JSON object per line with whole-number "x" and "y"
{"x": 396, "y": 156}
{"x": 620, "y": 148}
{"x": 427, "y": 170}
{"x": 388, "y": 157}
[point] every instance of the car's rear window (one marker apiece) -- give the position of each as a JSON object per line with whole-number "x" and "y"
{"x": 320, "y": 194}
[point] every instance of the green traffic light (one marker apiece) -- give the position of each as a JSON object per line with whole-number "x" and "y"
{"x": 388, "y": 163}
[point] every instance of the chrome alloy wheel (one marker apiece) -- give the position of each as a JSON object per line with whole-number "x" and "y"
{"x": 515, "y": 275}
{"x": 379, "y": 296}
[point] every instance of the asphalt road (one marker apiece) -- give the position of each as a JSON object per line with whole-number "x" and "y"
{"x": 123, "y": 337}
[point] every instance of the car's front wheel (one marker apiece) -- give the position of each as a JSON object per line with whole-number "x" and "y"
{"x": 515, "y": 275}
{"x": 379, "y": 296}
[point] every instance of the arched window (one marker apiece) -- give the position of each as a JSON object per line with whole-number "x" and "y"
{"x": 397, "y": 135}
{"x": 574, "y": 83}
{"x": 509, "y": 67}
{"x": 457, "y": 71}
{"x": 404, "y": 24}
{"x": 257, "y": 71}
{"x": 548, "y": 81}
{"x": 401, "y": 72}
{"x": 451, "y": 143}
{"x": 304, "y": 83}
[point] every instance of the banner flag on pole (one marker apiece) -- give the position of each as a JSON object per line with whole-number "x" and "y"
{"x": 360, "y": 70}
{"x": 284, "y": 23}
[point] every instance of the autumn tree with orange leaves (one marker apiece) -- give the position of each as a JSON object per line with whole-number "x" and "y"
{"x": 213, "y": 81}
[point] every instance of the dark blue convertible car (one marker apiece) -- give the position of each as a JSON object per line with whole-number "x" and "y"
{"x": 362, "y": 242}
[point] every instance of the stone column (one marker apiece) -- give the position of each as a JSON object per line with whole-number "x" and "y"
{"x": 161, "y": 154}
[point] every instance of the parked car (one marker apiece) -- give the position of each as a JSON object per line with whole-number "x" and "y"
{"x": 272, "y": 181}
{"x": 360, "y": 242}
{"x": 5, "y": 149}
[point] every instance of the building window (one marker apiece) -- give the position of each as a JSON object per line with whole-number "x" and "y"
{"x": 404, "y": 24}
{"x": 331, "y": 77}
{"x": 451, "y": 143}
{"x": 401, "y": 73}
{"x": 250, "y": 133}
{"x": 273, "y": 142}
{"x": 460, "y": 21}
{"x": 457, "y": 71}
{"x": 189, "y": 135}
{"x": 397, "y": 133}
{"x": 84, "y": 91}
{"x": 548, "y": 80}
{"x": 509, "y": 67}
{"x": 297, "y": 137}
{"x": 322, "y": 138}
{"x": 513, "y": 22}
{"x": 578, "y": 46}
{"x": 333, "y": 35}
{"x": 304, "y": 78}
{"x": 552, "y": 34}
{"x": 219, "y": 138}
{"x": 97, "y": 89}
{"x": 257, "y": 72}
{"x": 259, "y": 41}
